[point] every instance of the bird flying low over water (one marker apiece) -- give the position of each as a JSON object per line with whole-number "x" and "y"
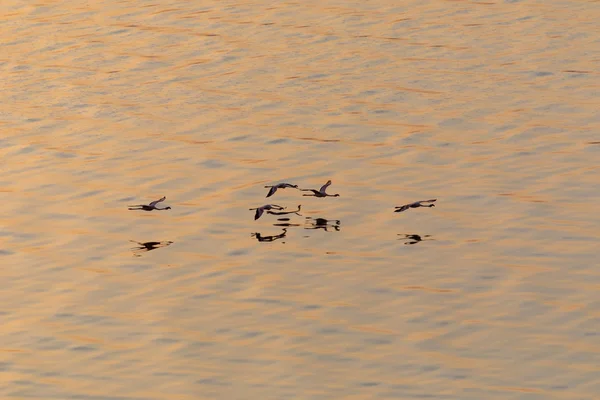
{"x": 286, "y": 212}
{"x": 279, "y": 186}
{"x": 260, "y": 210}
{"x": 321, "y": 192}
{"x": 151, "y": 206}
{"x": 416, "y": 204}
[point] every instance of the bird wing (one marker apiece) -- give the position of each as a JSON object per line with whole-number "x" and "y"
{"x": 402, "y": 208}
{"x": 259, "y": 212}
{"x": 155, "y": 202}
{"x": 272, "y": 191}
{"x": 324, "y": 187}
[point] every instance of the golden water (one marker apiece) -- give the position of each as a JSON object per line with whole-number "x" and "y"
{"x": 489, "y": 106}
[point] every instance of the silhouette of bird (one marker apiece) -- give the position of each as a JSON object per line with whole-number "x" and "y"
{"x": 151, "y": 206}
{"x": 321, "y": 192}
{"x": 416, "y": 204}
{"x": 279, "y": 186}
{"x": 286, "y": 212}
{"x": 260, "y": 210}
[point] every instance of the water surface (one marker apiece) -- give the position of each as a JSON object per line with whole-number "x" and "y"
{"x": 490, "y": 107}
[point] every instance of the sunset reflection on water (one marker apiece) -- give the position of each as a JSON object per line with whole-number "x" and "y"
{"x": 489, "y": 107}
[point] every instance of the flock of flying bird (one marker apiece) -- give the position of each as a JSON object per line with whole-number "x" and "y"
{"x": 322, "y": 192}
{"x": 274, "y": 209}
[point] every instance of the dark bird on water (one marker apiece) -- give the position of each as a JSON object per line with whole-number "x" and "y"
{"x": 279, "y": 186}
{"x": 151, "y": 206}
{"x": 266, "y": 207}
{"x": 416, "y": 204}
{"x": 321, "y": 192}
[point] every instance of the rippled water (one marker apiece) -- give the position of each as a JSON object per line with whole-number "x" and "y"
{"x": 490, "y": 107}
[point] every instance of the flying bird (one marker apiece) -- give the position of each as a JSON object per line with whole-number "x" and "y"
{"x": 416, "y": 204}
{"x": 279, "y": 186}
{"x": 260, "y": 210}
{"x": 286, "y": 212}
{"x": 151, "y": 206}
{"x": 321, "y": 192}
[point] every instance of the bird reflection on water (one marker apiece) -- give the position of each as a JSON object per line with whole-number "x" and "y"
{"x": 413, "y": 238}
{"x": 322, "y": 223}
{"x": 271, "y": 238}
{"x": 284, "y": 222}
{"x": 147, "y": 246}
